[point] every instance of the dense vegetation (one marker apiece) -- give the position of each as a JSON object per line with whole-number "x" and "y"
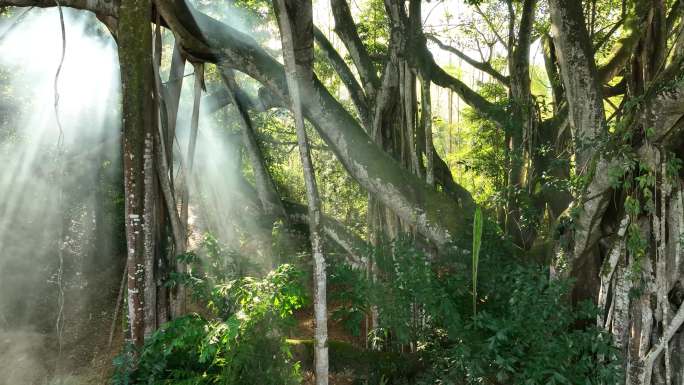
{"x": 345, "y": 192}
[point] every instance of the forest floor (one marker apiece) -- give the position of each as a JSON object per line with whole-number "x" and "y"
{"x": 336, "y": 332}
{"x": 32, "y": 356}
{"x": 29, "y": 357}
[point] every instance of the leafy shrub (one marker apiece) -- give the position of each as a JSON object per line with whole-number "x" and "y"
{"x": 348, "y": 288}
{"x": 524, "y": 331}
{"x": 244, "y": 344}
{"x": 525, "y": 336}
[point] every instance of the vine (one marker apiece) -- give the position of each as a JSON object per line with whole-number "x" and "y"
{"x": 59, "y": 323}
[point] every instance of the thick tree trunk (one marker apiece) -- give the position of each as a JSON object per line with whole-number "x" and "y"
{"x": 580, "y": 78}
{"x": 587, "y": 119}
{"x": 522, "y": 131}
{"x": 639, "y": 286}
{"x": 135, "y": 47}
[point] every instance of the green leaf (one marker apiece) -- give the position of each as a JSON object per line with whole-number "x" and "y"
{"x": 477, "y": 243}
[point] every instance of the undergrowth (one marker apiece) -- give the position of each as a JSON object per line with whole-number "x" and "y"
{"x": 525, "y": 330}
{"x": 243, "y": 342}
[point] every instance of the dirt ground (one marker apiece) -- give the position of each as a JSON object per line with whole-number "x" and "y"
{"x": 31, "y": 356}
{"x": 336, "y": 332}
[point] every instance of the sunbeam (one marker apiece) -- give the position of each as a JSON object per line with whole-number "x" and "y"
{"x": 49, "y": 196}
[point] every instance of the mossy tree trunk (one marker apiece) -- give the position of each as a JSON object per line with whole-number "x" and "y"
{"x": 135, "y": 47}
{"x": 625, "y": 244}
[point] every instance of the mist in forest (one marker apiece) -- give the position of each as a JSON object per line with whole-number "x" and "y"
{"x": 222, "y": 203}
{"x": 57, "y": 241}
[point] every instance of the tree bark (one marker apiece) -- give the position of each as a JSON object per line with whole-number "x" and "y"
{"x": 587, "y": 118}
{"x": 357, "y": 94}
{"x": 135, "y": 47}
{"x": 295, "y": 20}
{"x": 522, "y": 130}
{"x": 346, "y": 30}
{"x": 426, "y": 115}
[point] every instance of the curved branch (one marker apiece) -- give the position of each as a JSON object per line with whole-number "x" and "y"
{"x": 482, "y": 66}
{"x": 635, "y": 25}
{"x": 470, "y": 97}
{"x": 101, "y": 8}
{"x": 345, "y": 27}
{"x": 491, "y": 27}
{"x": 346, "y": 75}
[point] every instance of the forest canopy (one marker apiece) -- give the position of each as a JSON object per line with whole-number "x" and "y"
{"x": 343, "y": 192}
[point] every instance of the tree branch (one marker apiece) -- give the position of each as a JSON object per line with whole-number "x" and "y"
{"x": 673, "y": 15}
{"x": 470, "y": 97}
{"x": 345, "y": 27}
{"x": 346, "y": 75}
{"x": 482, "y": 66}
{"x": 635, "y": 25}
{"x": 491, "y": 27}
{"x": 608, "y": 35}
{"x": 101, "y": 8}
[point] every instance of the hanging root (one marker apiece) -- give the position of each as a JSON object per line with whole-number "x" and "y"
{"x": 59, "y": 323}
{"x": 59, "y": 70}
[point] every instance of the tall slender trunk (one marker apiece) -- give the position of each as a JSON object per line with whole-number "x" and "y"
{"x": 166, "y": 111}
{"x": 296, "y": 30}
{"x": 187, "y": 180}
{"x": 192, "y": 143}
{"x": 426, "y": 115}
{"x": 523, "y": 127}
{"x": 171, "y": 96}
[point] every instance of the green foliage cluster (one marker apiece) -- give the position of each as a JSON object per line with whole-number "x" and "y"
{"x": 524, "y": 331}
{"x": 374, "y": 30}
{"x": 348, "y": 288}
{"x": 241, "y": 343}
{"x": 474, "y": 149}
